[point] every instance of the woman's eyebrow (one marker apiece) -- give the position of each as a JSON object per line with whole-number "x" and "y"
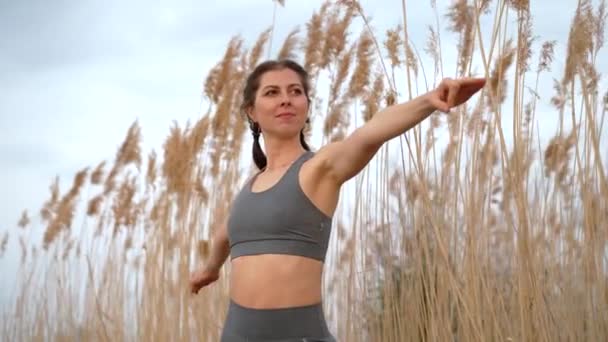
{"x": 276, "y": 86}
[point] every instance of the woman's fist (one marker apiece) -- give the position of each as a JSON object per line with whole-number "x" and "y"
{"x": 203, "y": 277}
{"x": 454, "y": 92}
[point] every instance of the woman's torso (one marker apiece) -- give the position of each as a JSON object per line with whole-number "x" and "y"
{"x": 282, "y": 280}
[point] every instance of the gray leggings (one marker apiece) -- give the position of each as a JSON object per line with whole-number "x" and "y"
{"x": 295, "y": 324}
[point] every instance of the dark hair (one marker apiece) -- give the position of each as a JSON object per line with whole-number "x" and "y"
{"x": 251, "y": 87}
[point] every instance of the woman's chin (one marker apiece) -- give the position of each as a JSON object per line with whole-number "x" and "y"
{"x": 286, "y": 132}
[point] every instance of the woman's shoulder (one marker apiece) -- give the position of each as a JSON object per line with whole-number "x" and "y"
{"x": 249, "y": 177}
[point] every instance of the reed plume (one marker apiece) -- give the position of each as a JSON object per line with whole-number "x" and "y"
{"x": 312, "y": 46}
{"x": 498, "y": 79}
{"x": 580, "y": 40}
{"x": 64, "y": 213}
{"x": 151, "y": 171}
{"x": 546, "y": 56}
{"x": 344, "y": 67}
{"x": 98, "y": 173}
{"x": 462, "y": 21}
{"x": 4, "y": 243}
{"x": 50, "y": 206}
{"x": 256, "y": 51}
{"x": 392, "y": 44}
{"x": 24, "y": 221}
{"x": 336, "y": 34}
{"x": 289, "y": 48}
{"x": 361, "y": 74}
{"x": 373, "y": 99}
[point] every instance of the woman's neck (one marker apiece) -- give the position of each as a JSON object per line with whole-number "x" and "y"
{"x": 280, "y": 154}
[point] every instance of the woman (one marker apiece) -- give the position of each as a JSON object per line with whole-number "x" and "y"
{"x": 279, "y": 224}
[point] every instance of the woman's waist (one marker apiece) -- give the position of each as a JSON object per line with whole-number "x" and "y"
{"x": 275, "y": 280}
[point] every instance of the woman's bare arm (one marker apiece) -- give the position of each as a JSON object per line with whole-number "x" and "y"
{"x": 344, "y": 159}
{"x": 220, "y": 248}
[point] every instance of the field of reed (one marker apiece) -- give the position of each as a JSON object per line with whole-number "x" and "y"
{"x": 470, "y": 227}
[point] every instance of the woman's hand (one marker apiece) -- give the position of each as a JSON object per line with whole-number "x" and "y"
{"x": 203, "y": 277}
{"x": 454, "y": 92}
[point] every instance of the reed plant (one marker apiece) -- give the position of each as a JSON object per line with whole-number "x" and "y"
{"x": 470, "y": 227}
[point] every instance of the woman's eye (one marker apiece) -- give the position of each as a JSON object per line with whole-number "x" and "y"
{"x": 274, "y": 92}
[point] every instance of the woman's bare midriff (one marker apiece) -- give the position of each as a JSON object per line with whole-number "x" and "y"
{"x": 271, "y": 281}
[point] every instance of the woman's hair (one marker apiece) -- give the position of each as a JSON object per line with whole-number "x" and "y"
{"x": 251, "y": 87}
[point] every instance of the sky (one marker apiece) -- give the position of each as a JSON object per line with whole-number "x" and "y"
{"x": 74, "y": 75}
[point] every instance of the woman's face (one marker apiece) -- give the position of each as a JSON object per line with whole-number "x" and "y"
{"x": 281, "y": 106}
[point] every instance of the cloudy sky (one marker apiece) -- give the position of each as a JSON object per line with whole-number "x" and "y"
{"x": 74, "y": 75}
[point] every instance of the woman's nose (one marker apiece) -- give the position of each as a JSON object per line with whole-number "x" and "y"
{"x": 285, "y": 100}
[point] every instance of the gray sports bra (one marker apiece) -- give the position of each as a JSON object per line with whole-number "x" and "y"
{"x": 280, "y": 220}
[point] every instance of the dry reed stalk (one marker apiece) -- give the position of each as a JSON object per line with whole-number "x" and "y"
{"x": 519, "y": 165}
{"x": 175, "y": 162}
{"x": 336, "y": 34}
{"x": 546, "y": 56}
{"x": 238, "y": 122}
{"x": 525, "y": 40}
{"x": 110, "y": 182}
{"x": 599, "y": 28}
{"x": 257, "y": 49}
{"x": 220, "y": 124}
{"x": 221, "y": 128}
{"x": 124, "y": 209}
{"x": 198, "y": 135}
{"x": 412, "y": 62}
{"x": 97, "y": 174}
{"x": 498, "y": 79}
{"x": 374, "y": 97}
{"x": 488, "y": 158}
{"x": 432, "y": 49}
{"x": 50, "y": 206}
{"x": 160, "y": 210}
{"x": 200, "y": 189}
{"x": 289, "y": 47}
{"x": 94, "y": 205}
{"x": 312, "y": 45}
{"x": 344, "y": 63}
{"x": 130, "y": 150}
{"x": 4, "y": 243}
{"x": 484, "y": 6}
{"x": 462, "y": 21}
{"x": 64, "y": 213}
{"x": 361, "y": 74}
{"x": 24, "y": 221}
{"x": 337, "y": 121}
{"x": 476, "y": 123}
{"x": 556, "y": 155}
{"x": 392, "y": 44}
{"x": 220, "y": 74}
{"x": 590, "y": 76}
{"x": 435, "y": 122}
{"x": 580, "y": 40}
{"x": 151, "y": 171}
{"x": 519, "y": 5}
{"x": 128, "y": 153}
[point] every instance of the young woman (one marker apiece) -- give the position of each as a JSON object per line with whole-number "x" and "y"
{"x": 279, "y": 224}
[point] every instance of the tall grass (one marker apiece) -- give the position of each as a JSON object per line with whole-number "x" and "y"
{"x": 470, "y": 227}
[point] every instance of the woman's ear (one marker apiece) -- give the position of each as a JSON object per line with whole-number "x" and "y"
{"x": 250, "y": 114}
